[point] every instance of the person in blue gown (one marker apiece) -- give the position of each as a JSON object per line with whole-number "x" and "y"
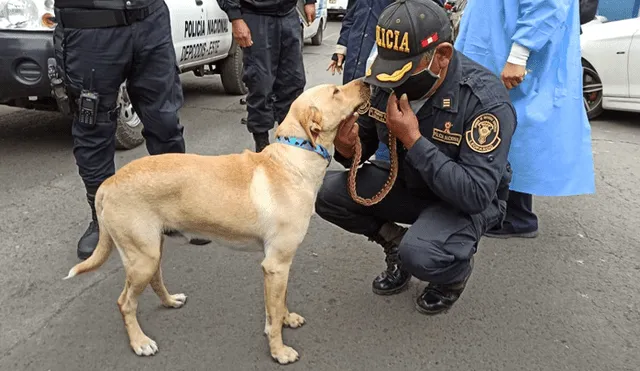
{"x": 534, "y": 46}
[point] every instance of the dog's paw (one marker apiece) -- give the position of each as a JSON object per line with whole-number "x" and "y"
{"x": 293, "y": 320}
{"x": 285, "y": 355}
{"x": 176, "y": 301}
{"x": 145, "y": 347}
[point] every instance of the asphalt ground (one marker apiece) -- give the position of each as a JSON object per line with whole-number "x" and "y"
{"x": 567, "y": 300}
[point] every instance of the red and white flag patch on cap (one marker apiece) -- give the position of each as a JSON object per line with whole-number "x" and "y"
{"x": 429, "y": 40}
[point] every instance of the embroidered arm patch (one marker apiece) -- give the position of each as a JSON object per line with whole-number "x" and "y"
{"x": 483, "y": 136}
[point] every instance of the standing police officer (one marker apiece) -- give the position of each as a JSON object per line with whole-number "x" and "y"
{"x": 98, "y": 45}
{"x": 270, "y": 33}
{"x": 454, "y": 123}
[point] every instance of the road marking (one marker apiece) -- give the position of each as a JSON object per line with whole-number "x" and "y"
{"x": 331, "y": 36}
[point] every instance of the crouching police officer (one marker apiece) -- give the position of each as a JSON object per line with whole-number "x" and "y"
{"x": 454, "y": 123}
{"x": 99, "y": 45}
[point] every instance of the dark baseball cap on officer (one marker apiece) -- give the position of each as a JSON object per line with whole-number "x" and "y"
{"x": 406, "y": 30}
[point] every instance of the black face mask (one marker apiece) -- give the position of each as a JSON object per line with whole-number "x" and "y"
{"x": 418, "y": 85}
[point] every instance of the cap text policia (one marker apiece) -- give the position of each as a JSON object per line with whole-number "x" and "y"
{"x": 406, "y": 30}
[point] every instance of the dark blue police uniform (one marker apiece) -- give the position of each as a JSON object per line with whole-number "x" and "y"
{"x": 120, "y": 40}
{"x": 273, "y": 65}
{"x": 358, "y": 35}
{"x": 452, "y": 184}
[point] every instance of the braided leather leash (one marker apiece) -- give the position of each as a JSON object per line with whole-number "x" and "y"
{"x": 393, "y": 173}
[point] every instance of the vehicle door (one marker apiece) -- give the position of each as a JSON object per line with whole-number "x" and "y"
{"x": 189, "y": 30}
{"x": 321, "y": 8}
{"x": 219, "y": 37}
{"x": 308, "y": 30}
{"x": 634, "y": 63}
{"x": 312, "y": 29}
{"x": 322, "y": 11}
{"x": 608, "y": 51}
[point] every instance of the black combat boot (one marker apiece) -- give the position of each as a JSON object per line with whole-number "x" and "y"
{"x": 262, "y": 140}
{"x": 394, "y": 279}
{"x": 199, "y": 241}
{"x": 89, "y": 239}
{"x": 192, "y": 241}
{"x": 436, "y": 299}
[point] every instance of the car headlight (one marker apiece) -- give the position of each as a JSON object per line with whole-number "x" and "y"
{"x": 27, "y": 15}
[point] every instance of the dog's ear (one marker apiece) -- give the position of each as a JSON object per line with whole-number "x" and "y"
{"x": 311, "y": 121}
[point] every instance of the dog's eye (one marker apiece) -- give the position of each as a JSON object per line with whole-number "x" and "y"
{"x": 336, "y": 91}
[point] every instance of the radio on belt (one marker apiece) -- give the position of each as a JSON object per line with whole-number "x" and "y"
{"x": 89, "y": 104}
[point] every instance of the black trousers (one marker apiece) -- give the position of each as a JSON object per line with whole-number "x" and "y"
{"x": 142, "y": 54}
{"x": 520, "y": 216}
{"x": 273, "y": 68}
{"x": 441, "y": 240}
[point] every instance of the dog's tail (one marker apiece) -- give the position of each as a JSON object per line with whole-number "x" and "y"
{"x": 102, "y": 251}
{"x": 99, "y": 256}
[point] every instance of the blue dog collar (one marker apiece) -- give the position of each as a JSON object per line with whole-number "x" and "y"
{"x": 305, "y": 144}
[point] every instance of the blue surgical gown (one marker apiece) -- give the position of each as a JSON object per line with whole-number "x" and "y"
{"x": 551, "y": 149}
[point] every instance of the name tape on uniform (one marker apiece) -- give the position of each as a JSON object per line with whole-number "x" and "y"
{"x": 378, "y": 115}
{"x": 446, "y": 136}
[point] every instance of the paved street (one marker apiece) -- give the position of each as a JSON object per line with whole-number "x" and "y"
{"x": 568, "y": 300}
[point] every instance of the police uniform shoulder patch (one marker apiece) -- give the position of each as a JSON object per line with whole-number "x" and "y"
{"x": 483, "y": 136}
{"x": 364, "y": 108}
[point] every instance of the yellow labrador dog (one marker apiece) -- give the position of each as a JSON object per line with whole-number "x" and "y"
{"x": 265, "y": 198}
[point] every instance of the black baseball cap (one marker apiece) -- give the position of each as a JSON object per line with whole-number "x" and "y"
{"x": 406, "y": 30}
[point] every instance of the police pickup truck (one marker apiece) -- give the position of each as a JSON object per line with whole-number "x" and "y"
{"x": 201, "y": 34}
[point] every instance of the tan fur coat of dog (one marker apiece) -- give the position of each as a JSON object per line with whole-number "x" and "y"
{"x": 264, "y": 198}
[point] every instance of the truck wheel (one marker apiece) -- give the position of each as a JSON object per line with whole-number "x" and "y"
{"x": 317, "y": 39}
{"x": 129, "y": 126}
{"x": 231, "y": 70}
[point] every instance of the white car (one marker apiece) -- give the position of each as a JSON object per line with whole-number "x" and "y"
{"x": 202, "y": 39}
{"x": 315, "y": 30}
{"x": 337, "y": 7}
{"x": 611, "y": 65}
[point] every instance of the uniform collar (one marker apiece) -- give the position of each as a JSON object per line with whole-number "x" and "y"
{"x": 447, "y": 96}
